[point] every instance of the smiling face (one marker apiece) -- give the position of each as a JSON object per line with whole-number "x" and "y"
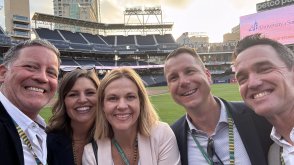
{"x": 121, "y": 105}
{"x": 265, "y": 83}
{"x": 188, "y": 81}
{"x": 30, "y": 81}
{"x": 81, "y": 101}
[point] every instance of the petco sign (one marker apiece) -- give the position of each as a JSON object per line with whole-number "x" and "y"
{"x": 273, "y": 4}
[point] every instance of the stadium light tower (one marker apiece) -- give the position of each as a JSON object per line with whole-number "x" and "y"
{"x": 143, "y": 16}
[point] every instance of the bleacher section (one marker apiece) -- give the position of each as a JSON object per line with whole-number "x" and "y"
{"x": 145, "y": 40}
{"x": 105, "y": 49}
{"x": 110, "y": 40}
{"x": 86, "y": 61}
{"x": 147, "y": 79}
{"x": 73, "y": 37}
{"x": 159, "y": 79}
{"x": 164, "y": 39}
{"x": 77, "y": 41}
{"x": 94, "y": 39}
{"x": 125, "y": 40}
{"x": 224, "y": 78}
{"x": 166, "y": 42}
{"x": 86, "y": 50}
{"x": 48, "y": 34}
{"x": 214, "y": 47}
{"x": 126, "y": 63}
{"x": 153, "y": 80}
{"x": 53, "y": 36}
{"x": 107, "y": 62}
{"x": 61, "y": 45}
{"x": 142, "y": 63}
{"x": 68, "y": 61}
{"x": 112, "y": 44}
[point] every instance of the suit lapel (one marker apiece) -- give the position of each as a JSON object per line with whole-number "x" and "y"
{"x": 249, "y": 136}
{"x": 180, "y": 129}
{"x": 104, "y": 151}
{"x": 145, "y": 150}
{"x": 183, "y": 136}
{"x": 7, "y": 121}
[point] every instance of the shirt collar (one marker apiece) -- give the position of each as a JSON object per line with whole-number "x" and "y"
{"x": 277, "y": 138}
{"x": 18, "y": 116}
{"x": 223, "y": 116}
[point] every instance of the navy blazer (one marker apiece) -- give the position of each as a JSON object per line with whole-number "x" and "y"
{"x": 254, "y": 131}
{"x": 11, "y": 151}
{"x": 59, "y": 148}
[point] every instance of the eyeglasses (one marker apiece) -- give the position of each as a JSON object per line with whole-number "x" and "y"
{"x": 210, "y": 148}
{"x": 211, "y": 152}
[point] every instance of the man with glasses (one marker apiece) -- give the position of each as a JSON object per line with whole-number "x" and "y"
{"x": 265, "y": 73}
{"x": 213, "y": 131}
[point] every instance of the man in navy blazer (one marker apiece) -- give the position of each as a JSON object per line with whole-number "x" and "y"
{"x": 213, "y": 131}
{"x": 10, "y": 143}
{"x": 29, "y": 78}
{"x": 264, "y": 70}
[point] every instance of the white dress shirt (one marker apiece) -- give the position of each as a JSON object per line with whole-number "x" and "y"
{"x": 34, "y": 132}
{"x": 221, "y": 142}
{"x": 288, "y": 149}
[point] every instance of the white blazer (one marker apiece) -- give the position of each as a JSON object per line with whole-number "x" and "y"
{"x": 158, "y": 149}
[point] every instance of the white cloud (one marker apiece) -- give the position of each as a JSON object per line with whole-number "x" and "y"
{"x": 41, "y": 6}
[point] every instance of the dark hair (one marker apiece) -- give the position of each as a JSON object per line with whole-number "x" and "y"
{"x": 60, "y": 120}
{"x": 12, "y": 54}
{"x": 188, "y": 50}
{"x": 285, "y": 54}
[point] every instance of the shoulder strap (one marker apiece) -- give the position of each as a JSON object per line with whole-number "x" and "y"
{"x": 95, "y": 148}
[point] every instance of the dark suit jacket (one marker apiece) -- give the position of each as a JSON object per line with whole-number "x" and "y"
{"x": 254, "y": 132}
{"x": 11, "y": 152}
{"x": 59, "y": 147}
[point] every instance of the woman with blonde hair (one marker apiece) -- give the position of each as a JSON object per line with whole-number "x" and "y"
{"x": 72, "y": 125}
{"x": 128, "y": 130}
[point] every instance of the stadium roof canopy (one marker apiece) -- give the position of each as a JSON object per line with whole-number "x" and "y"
{"x": 40, "y": 17}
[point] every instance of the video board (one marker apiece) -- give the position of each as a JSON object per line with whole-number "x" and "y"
{"x": 277, "y": 24}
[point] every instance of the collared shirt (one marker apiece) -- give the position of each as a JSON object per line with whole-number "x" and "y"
{"x": 288, "y": 149}
{"x": 34, "y": 132}
{"x": 221, "y": 142}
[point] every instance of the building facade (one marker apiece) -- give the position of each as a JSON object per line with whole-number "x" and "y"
{"x": 17, "y": 19}
{"x": 86, "y": 10}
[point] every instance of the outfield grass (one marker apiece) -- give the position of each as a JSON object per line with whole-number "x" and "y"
{"x": 168, "y": 110}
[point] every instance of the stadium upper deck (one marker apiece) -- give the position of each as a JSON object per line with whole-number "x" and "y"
{"x": 114, "y": 44}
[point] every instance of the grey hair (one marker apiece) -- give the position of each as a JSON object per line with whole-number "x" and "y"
{"x": 12, "y": 54}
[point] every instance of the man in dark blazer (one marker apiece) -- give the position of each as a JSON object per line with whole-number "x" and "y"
{"x": 10, "y": 143}
{"x": 29, "y": 78}
{"x": 264, "y": 70}
{"x": 213, "y": 131}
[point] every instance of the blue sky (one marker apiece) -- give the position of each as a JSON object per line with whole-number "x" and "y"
{"x": 214, "y": 17}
